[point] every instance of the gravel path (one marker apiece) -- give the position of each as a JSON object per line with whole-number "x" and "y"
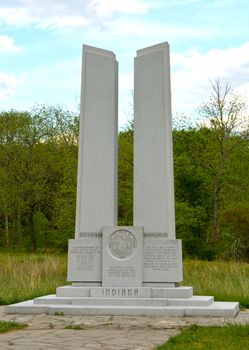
{"x": 99, "y": 332}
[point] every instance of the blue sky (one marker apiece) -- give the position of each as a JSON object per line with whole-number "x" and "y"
{"x": 41, "y": 43}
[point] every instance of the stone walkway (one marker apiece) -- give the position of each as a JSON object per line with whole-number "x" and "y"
{"x": 99, "y": 332}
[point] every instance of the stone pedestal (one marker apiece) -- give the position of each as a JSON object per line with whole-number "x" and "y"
{"x": 145, "y": 301}
{"x": 136, "y": 268}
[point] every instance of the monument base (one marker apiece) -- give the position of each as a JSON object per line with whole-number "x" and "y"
{"x": 141, "y": 301}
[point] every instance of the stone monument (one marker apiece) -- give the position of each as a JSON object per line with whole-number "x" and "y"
{"x": 122, "y": 270}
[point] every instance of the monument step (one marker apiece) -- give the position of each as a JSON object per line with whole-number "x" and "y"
{"x": 197, "y": 300}
{"x": 27, "y": 307}
{"x": 216, "y": 309}
{"x": 193, "y": 301}
{"x": 52, "y": 299}
{"x": 121, "y": 302}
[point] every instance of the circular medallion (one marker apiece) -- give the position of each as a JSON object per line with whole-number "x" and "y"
{"x": 122, "y": 244}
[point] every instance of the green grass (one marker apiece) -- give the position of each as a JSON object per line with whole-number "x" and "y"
{"x": 210, "y": 338}
{"x": 75, "y": 327}
{"x": 7, "y": 326}
{"x": 225, "y": 280}
{"x": 24, "y": 276}
{"x": 59, "y": 313}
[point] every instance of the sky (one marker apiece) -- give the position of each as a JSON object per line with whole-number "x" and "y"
{"x": 41, "y": 47}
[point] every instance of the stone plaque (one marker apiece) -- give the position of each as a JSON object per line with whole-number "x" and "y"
{"x": 122, "y": 254}
{"x": 162, "y": 258}
{"x": 84, "y": 258}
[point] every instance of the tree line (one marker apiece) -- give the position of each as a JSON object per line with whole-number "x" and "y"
{"x": 38, "y": 169}
{"x": 38, "y": 160}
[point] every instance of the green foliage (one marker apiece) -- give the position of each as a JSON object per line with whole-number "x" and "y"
{"x": 125, "y": 177}
{"x": 8, "y": 326}
{"x": 191, "y": 227}
{"x": 38, "y": 168}
{"x": 228, "y": 120}
{"x": 231, "y": 337}
{"x": 37, "y": 149}
{"x": 209, "y": 222}
{"x": 192, "y": 190}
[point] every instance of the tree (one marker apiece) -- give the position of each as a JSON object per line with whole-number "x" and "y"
{"x": 125, "y": 176}
{"x": 36, "y": 150}
{"x": 192, "y": 190}
{"x": 234, "y": 218}
{"x": 12, "y": 125}
{"x": 227, "y": 117}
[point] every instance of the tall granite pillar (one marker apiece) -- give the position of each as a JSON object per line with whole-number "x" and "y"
{"x": 153, "y": 158}
{"x": 97, "y": 161}
{"x": 96, "y": 204}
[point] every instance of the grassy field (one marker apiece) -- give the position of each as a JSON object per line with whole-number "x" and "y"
{"x": 210, "y": 338}
{"x": 225, "y": 280}
{"x": 24, "y": 277}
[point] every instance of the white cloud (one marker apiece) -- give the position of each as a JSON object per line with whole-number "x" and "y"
{"x": 107, "y": 8}
{"x": 181, "y": 2}
{"x": 150, "y": 30}
{"x": 125, "y": 112}
{"x": 64, "y": 13}
{"x": 192, "y": 72}
{"x": 243, "y": 91}
{"x": 16, "y": 16}
{"x": 126, "y": 81}
{"x": 7, "y": 44}
{"x": 38, "y": 85}
{"x": 62, "y": 22}
{"x": 8, "y": 84}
